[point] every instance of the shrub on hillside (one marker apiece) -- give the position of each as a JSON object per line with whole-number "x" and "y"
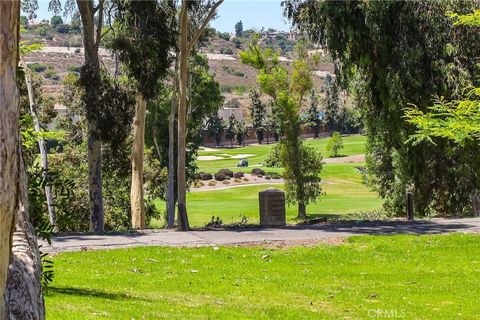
{"x": 224, "y": 35}
{"x": 226, "y": 50}
{"x": 51, "y": 74}
{"x": 41, "y": 31}
{"x": 37, "y": 67}
{"x": 62, "y": 28}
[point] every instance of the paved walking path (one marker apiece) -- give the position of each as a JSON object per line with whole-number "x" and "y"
{"x": 320, "y": 232}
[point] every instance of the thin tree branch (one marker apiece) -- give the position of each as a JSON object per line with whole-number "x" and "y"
{"x": 100, "y": 23}
{"x": 199, "y": 32}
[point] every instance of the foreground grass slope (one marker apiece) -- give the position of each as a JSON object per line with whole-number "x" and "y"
{"x": 353, "y": 145}
{"x": 428, "y": 277}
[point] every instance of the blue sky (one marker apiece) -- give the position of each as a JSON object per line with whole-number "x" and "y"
{"x": 253, "y": 13}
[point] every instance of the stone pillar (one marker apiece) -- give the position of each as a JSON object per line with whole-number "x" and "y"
{"x": 272, "y": 208}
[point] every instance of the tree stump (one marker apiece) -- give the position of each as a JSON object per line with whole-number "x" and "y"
{"x": 272, "y": 208}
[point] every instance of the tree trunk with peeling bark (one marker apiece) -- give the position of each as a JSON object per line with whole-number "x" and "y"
{"x": 186, "y": 47}
{"x": 91, "y": 42}
{"x": 171, "y": 155}
{"x": 20, "y": 286}
{"x": 23, "y": 296}
{"x": 9, "y": 124}
{"x": 182, "y": 114}
{"x": 137, "y": 192}
{"x": 41, "y": 145}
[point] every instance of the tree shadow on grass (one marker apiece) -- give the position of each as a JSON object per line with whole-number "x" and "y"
{"x": 83, "y": 292}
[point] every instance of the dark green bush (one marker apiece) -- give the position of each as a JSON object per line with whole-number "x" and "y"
{"x": 273, "y": 159}
{"x": 273, "y": 175}
{"x": 220, "y": 177}
{"x": 258, "y": 172}
{"x": 51, "y": 74}
{"x": 226, "y": 51}
{"x": 41, "y": 31}
{"x": 238, "y": 175}
{"x": 226, "y": 172}
{"x": 62, "y": 28}
{"x": 205, "y": 176}
{"x": 37, "y": 67}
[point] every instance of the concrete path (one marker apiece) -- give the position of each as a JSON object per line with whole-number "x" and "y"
{"x": 321, "y": 232}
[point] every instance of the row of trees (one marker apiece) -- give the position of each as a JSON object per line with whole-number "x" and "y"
{"x": 265, "y": 122}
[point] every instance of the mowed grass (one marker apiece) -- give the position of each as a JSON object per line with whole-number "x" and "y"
{"x": 344, "y": 193}
{"x": 408, "y": 277}
{"x": 353, "y": 145}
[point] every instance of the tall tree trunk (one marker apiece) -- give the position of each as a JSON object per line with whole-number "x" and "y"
{"x": 171, "y": 197}
{"x": 185, "y": 49}
{"x": 302, "y": 211}
{"x": 20, "y": 293}
{"x": 136, "y": 192}
{"x": 171, "y": 158}
{"x": 95, "y": 180}
{"x": 91, "y": 41}
{"x": 41, "y": 145}
{"x": 182, "y": 109}
{"x": 23, "y": 297}
{"x": 9, "y": 124}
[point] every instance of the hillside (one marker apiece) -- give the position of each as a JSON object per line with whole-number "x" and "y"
{"x": 63, "y": 54}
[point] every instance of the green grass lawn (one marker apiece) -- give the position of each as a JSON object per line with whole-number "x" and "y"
{"x": 354, "y": 144}
{"x": 345, "y": 193}
{"x": 428, "y": 277}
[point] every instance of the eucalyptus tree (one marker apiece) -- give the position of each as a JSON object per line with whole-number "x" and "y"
{"x": 20, "y": 287}
{"x": 204, "y": 99}
{"x": 25, "y": 49}
{"x": 144, "y": 32}
{"x": 404, "y": 53}
{"x": 187, "y": 40}
{"x": 93, "y": 80}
